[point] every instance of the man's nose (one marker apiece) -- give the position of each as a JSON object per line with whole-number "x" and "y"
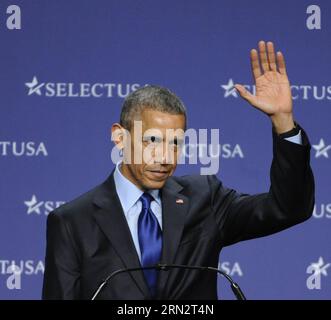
{"x": 164, "y": 155}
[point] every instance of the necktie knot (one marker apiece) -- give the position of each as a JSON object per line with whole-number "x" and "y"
{"x": 146, "y": 200}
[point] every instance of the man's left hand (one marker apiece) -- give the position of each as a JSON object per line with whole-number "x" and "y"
{"x": 273, "y": 91}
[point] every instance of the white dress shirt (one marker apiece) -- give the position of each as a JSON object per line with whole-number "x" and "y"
{"x": 129, "y": 195}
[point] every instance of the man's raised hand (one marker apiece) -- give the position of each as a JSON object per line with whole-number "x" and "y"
{"x": 273, "y": 91}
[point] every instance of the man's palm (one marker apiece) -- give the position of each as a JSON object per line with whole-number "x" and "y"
{"x": 273, "y": 92}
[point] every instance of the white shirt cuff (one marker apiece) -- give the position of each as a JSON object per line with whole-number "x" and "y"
{"x": 295, "y": 139}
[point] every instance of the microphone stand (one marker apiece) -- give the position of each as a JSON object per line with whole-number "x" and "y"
{"x": 166, "y": 267}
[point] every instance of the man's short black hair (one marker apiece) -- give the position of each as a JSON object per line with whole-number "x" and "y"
{"x": 153, "y": 97}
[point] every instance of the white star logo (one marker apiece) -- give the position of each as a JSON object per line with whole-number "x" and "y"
{"x": 321, "y": 149}
{"x": 320, "y": 267}
{"x": 230, "y": 90}
{"x": 34, "y": 87}
{"x": 33, "y": 205}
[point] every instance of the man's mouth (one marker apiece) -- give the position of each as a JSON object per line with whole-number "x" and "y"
{"x": 159, "y": 173}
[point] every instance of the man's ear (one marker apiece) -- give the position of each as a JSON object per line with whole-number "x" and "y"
{"x": 117, "y": 135}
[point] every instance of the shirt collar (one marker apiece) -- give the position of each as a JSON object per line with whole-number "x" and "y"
{"x": 128, "y": 192}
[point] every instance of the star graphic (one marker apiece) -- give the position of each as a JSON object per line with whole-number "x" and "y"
{"x": 230, "y": 90}
{"x": 33, "y": 205}
{"x": 34, "y": 87}
{"x": 321, "y": 149}
{"x": 320, "y": 267}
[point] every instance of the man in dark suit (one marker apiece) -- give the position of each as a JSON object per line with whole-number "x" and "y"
{"x": 142, "y": 215}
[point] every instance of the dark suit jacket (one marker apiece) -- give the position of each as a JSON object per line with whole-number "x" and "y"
{"x": 89, "y": 238}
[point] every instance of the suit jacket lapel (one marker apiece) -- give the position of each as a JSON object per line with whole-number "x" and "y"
{"x": 111, "y": 219}
{"x": 173, "y": 218}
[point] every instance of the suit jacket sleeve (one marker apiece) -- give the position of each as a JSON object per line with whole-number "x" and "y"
{"x": 290, "y": 199}
{"x": 61, "y": 278}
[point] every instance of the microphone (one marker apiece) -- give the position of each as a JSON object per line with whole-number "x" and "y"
{"x": 166, "y": 267}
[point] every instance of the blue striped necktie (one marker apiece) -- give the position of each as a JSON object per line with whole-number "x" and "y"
{"x": 150, "y": 240}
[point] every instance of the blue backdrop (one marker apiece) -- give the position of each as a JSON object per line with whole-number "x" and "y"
{"x": 63, "y": 77}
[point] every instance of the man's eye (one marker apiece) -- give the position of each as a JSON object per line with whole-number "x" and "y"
{"x": 152, "y": 139}
{"x": 176, "y": 143}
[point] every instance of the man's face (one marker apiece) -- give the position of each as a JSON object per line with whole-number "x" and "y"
{"x": 154, "y": 148}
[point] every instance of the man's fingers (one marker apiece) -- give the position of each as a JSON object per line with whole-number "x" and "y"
{"x": 263, "y": 56}
{"x": 271, "y": 56}
{"x": 281, "y": 63}
{"x": 255, "y": 64}
{"x": 245, "y": 94}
